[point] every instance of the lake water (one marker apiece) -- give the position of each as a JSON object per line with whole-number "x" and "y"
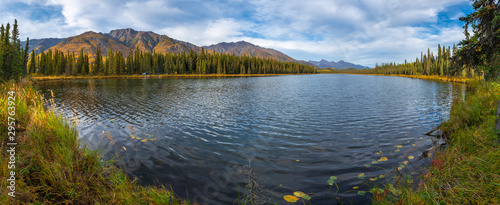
{"x": 200, "y": 135}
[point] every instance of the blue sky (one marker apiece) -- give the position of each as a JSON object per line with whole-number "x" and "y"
{"x": 359, "y": 31}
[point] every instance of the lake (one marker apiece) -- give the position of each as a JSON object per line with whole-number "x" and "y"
{"x": 201, "y": 136}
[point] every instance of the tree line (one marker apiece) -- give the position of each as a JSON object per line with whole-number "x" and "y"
{"x": 13, "y": 58}
{"x": 478, "y": 55}
{"x": 137, "y": 62}
{"x": 427, "y": 64}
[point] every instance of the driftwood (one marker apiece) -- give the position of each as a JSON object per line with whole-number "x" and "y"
{"x": 433, "y": 130}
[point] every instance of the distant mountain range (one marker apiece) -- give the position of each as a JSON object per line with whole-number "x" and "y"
{"x": 242, "y": 48}
{"x": 338, "y": 65}
{"x": 125, "y": 40}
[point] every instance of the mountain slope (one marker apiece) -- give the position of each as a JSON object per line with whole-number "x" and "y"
{"x": 338, "y": 65}
{"x": 150, "y": 41}
{"x": 89, "y": 42}
{"x": 243, "y": 48}
{"x": 40, "y": 45}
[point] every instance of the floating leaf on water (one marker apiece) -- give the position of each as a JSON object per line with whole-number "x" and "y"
{"x": 307, "y": 197}
{"x": 399, "y": 146}
{"x": 361, "y": 176}
{"x": 373, "y": 179}
{"x": 153, "y": 139}
{"x": 374, "y": 162}
{"x": 330, "y": 182}
{"x": 381, "y": 176}
{"x": 368, "y": 165}
{"x": 355, "y": 187}
{"x": 290, "y": 198}
{"x": 410, "y": 157}
{"x": 396, "y": 150}
{"x": 361, "y": 193}
{"x": 132, "y": 136}
{"x": 297, "y": 160}
{"x": 138, "y": 138}
{"x": 125, "y": 148}
{"x": 405, "y": 162}
{"x": 111, "y": 120}
{"x": 333, "y": 177}
{"x": 299, "y": 194}
{"x": 144, "y": 140}
{"x": 379, "y": 153}
{"x": 147, "y": 134}
{"x": 377, "y": 190}
{"x": 413, "y": 145}
{"x": 382, "y": 159}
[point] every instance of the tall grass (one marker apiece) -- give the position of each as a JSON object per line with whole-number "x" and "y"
{"x": 467, "y": 170}
{"x": 52, "y": 167}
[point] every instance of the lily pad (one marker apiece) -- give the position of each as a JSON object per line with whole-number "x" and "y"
{"x": 299, "y": 194}
{"x": 307, "y": 197}
{"x": 355, "y": 187}
{"x": 410, "y": 157}
{"x": 382, "y": 159}
{"x": 361, "y": 176}
{"x": 374, "y": 162}
{"x": 399, "y": 146}
{"x": 361, "y": 193}
{"x": 290, "y": 198}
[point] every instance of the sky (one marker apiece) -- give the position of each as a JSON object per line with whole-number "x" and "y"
{"x": 360, "y": 31}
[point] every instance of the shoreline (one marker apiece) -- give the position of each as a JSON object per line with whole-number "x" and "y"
{"x": 450, "y": 79}
{"x": 164, "y": 76}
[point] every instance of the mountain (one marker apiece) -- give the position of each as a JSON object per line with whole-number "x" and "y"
{"x": 122, "y": 40}
{"x": 40, "y": 45}
{"x": 150, "y": 41}
{"x": 242, "y": 48}
{"x": 89, "y": 42}
{"x": 338, "y": 65}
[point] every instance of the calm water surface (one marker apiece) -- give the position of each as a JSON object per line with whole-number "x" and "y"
{"x": 296, "y": 131}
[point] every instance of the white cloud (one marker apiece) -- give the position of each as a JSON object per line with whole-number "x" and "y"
{"x": 363, "y": 31}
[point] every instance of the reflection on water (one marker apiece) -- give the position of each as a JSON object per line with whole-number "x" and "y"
{"x": 297, "y": 131}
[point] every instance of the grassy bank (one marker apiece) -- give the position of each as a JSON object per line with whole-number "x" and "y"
{"x": 51, "y": 167}
{"x": 467, "y": 170}
{"x": 48, "y": 78}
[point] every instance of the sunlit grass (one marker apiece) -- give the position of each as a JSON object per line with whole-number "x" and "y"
{"x": 53, "y": 168}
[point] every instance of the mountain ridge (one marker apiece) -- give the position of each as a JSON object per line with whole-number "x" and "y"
{"x": 338, "y": 65}
{"x": 127, "y": 39}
